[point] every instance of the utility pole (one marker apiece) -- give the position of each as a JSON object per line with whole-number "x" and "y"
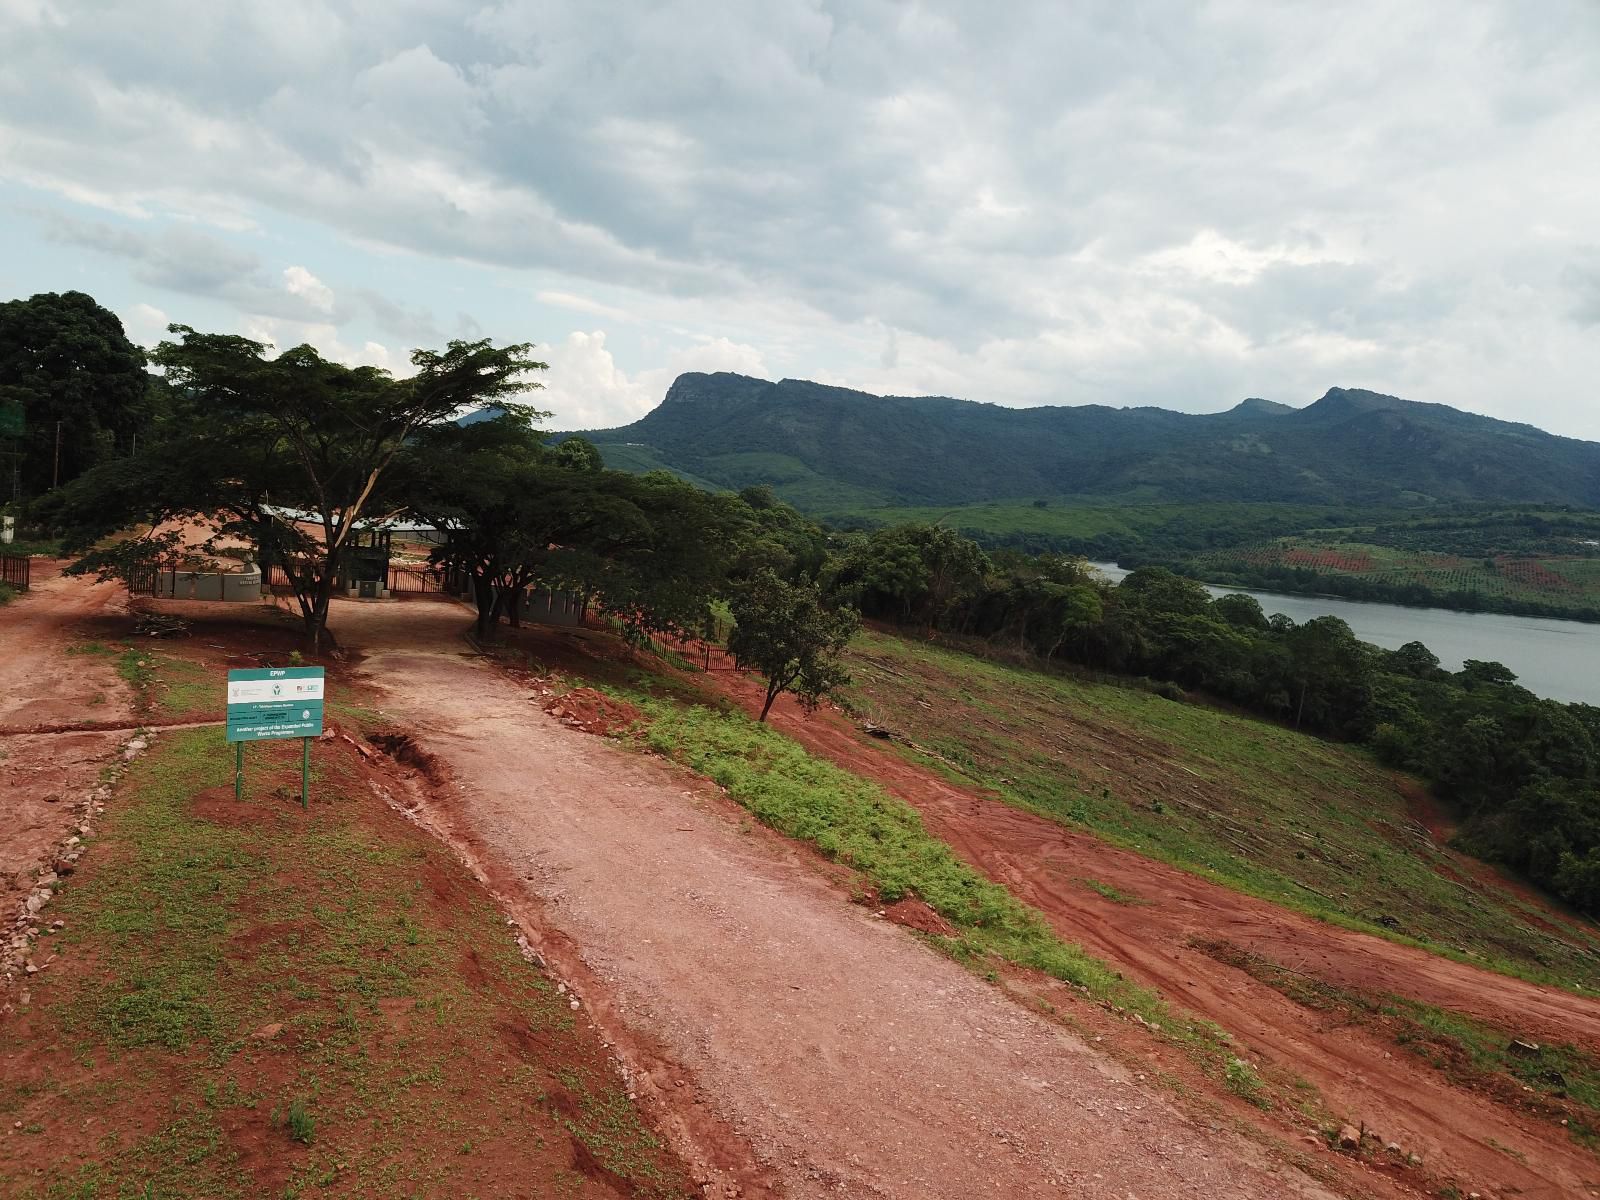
{"x": 55, "y": 472}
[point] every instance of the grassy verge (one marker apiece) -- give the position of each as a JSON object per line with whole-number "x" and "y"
{"x": 1558, "y": 1082}
{"x": 7, "y": 593}
{"x": 1315, "y": 827}
{"x": 161, "y": 682}
{"x": 855, "y": 822}
{"x": 249, "y": 1000}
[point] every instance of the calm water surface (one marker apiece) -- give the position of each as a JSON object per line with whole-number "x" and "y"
{"x": 1559, "y": 659}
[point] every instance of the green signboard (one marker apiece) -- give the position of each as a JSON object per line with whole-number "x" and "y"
{"x": 11, "y": 420}
{"x": 274, "y": 702}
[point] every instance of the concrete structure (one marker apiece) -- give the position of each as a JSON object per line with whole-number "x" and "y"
{"x": 236, "y": 587}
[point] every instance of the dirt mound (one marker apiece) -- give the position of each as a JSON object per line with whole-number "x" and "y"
{"x": 915, "y": 914}
{"x": 593, "y": 712}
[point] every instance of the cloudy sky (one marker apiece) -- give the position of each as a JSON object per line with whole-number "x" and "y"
{"x": 1028, "y": 203}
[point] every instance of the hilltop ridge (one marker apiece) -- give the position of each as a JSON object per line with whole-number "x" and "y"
{"x": 818, "y": 444}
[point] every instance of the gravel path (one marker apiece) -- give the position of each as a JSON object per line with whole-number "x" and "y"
{"x": 853, "y": 1059}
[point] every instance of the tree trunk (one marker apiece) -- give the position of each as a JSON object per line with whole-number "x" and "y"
{"x": 483, "y": 594}
{"x": 319, "y": 635}
{"x": 514, "y": 605}
{"x": 772, "y": 694}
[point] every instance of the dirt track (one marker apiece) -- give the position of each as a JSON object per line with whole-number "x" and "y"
{"x": 854, "y": 1060}
{"x": 43, "y": 775}
{"x": 1459, "y": 1134}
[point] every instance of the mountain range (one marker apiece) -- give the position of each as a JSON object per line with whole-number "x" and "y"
{"x": 830, "y": 448}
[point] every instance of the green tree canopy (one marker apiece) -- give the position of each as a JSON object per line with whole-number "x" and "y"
{"x": 289, "y": 452}
{"x": 786, "y": 632}
{"x": 69, "y": 376}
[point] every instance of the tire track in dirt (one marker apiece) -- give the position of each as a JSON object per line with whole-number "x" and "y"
{"x": 1458, "y": 1133}
{"x": 853, "y": 1059}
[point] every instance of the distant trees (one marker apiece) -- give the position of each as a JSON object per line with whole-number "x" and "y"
{"x": 919, "y": 572}
{"x": 73, "y": 388}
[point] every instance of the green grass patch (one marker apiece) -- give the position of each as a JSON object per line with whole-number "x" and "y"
{"x": 33, "y": 547}
{"x": 302, "y": 1125}
{"x": 1242, "y": 1081}
{"x": 160, "y": 680}
{"x": 7, "y": 593}
{"x": 1110, "y": 892}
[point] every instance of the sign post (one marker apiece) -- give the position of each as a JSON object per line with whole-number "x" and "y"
{"x": 273, "y": 703}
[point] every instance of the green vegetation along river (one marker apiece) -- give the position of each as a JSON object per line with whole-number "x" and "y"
{"x": 1553, "y": 658}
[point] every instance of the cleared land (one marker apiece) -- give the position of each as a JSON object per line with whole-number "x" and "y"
{"x": 1013, "y": 768}
{"x": 1554, "y": 583}
{"x": 1317, "y": 827}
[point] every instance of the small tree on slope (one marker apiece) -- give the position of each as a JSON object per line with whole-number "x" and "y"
{"x": 784, "y": 631}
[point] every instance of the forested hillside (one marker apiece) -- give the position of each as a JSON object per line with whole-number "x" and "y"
{"x": 831, "y": 450}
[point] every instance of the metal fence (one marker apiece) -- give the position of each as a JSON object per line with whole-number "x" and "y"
{"x": 401, "y": 581}
{"x": 142, "y": 579}
{"x": 15, "y": 571}
{"x": 414, "y": 580}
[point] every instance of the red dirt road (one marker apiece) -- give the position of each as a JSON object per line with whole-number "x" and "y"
{"x": 1460, "y": 1134}
{"x": 854, "y": 1060}
{"x": 43, "y": 776}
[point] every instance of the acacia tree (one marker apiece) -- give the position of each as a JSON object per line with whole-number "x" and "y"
{"x": 257, "y": 442}
{"x": 785, "y": 631}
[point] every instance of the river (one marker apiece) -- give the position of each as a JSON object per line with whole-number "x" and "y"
{"x": 1558, "y": 659}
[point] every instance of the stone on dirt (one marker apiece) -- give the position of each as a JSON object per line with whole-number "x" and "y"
{"x": 1349, "y": 1138}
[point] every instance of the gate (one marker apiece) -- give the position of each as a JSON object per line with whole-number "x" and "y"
{"x": 413, "y": 580}
{"x": 15, "y": 571}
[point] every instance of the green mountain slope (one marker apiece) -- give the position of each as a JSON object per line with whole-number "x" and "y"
{"x": 831, "y": 449}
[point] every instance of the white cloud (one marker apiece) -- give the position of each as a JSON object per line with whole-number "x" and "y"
{"x": 585, "y": 389}
{"x": 582, "y": 304}
{"x": 1026, "y": 203}
{"x": 145, "y": 324}
{"x": 301, "y": 282}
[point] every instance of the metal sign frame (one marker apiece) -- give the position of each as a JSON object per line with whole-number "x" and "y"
{"x": 273, "y": 703}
